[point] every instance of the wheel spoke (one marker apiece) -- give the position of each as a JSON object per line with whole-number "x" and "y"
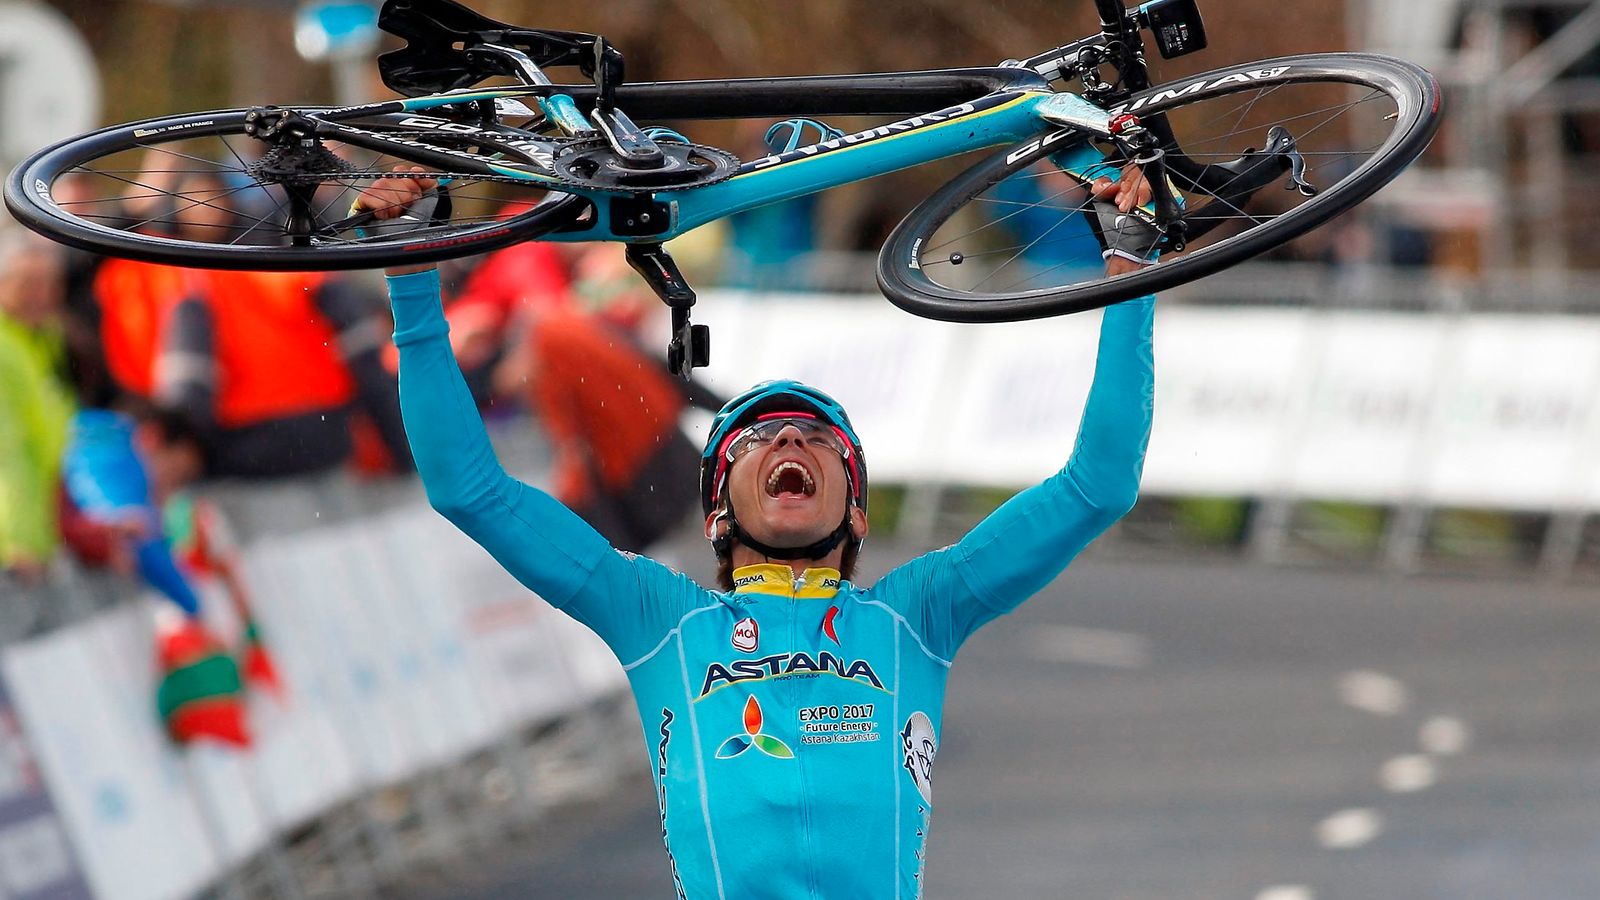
{"x": 1017, "y": 247}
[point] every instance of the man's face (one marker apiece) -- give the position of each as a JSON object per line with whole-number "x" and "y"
{"x": 791, "y": 491}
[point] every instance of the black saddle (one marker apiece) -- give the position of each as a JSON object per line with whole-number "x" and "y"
{"x": 437, "y": 33}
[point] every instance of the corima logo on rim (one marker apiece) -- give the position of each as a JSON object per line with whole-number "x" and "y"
{"x": 746, "y": 635}
{"x": 1246, "y": 76}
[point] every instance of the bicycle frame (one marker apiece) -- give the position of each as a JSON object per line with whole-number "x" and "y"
{"x": 1006, "y": 117}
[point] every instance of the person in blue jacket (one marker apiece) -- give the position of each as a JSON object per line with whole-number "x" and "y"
{"x": 792, "y": 717}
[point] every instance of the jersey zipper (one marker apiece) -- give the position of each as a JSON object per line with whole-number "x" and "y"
{"x": 800, "y": 755}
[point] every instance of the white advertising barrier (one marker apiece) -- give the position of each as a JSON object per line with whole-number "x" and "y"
{"x": 305, "y": 762}
{"x": 1012, "y": 419}
{"x": 36, "y": 857}
{"x": 1375, "y": 376}
{"x": 219, "y": 777}
{"x": 1512, "y": 418}
{"x": 1474, "y": 410}
{"x": 462, "y": 718}
{"x": 362, "y": 693}
{"x": 417, "y": 716}
{"x": 89, "y": 709}
{"x": 514, "y": 650}
{"x": 893, "y": 371}
{"x": 1230, "y": 384}
{"x": 1587, "y": 459}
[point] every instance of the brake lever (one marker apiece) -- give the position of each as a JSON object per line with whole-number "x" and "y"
{"x": 1281, "y": 143}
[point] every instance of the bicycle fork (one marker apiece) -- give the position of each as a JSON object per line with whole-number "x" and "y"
{"x": 1138, "y": 145}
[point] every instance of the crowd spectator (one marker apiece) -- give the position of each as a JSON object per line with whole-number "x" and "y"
{"x": 490, "y": 299}
{"x": 557, "y": 330}
{"x": 35, "y": 402}
{"x": 269, "y": 366}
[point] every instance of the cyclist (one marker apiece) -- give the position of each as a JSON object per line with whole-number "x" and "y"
{"x": 792, "y": 718}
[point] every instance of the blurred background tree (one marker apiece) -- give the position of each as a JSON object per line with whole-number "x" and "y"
{"x": 222, "y": 52}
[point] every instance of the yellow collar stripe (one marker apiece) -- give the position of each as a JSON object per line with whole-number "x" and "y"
{"x": 780, "y": 581}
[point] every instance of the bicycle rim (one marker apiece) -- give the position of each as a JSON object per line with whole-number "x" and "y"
{"x": 191, "y": 191}
{"x": 1009, "y": 239}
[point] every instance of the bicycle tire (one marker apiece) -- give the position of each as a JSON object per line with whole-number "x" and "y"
{"x": 96, "y": 224}
{"x": 902, "y": 263}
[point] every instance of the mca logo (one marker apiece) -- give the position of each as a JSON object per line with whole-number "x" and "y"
{"x": 753, "y": 737}
{"x": 746, "y": 635}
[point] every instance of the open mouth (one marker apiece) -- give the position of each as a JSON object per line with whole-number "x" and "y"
{"x": 790, "y": 479}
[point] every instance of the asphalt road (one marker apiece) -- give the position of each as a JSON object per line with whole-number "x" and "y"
{"x": 1217, "y": 729}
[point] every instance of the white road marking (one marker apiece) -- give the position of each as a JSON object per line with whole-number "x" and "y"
{"x": 1090, "y": 646}
{"x": 1444, "y": 736}
{"x": 1287, "y": 892}
{"x": 1373, "y": 692}
{"x": 1349, "y": 829}
{"x": 1409, "y": 774}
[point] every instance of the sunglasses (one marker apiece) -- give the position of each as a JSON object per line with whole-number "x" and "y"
{"x": 765, "y": 430}
{"x": 813, "y": 431}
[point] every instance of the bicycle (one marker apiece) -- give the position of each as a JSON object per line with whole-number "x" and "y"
{"x": 1013, "y": 237}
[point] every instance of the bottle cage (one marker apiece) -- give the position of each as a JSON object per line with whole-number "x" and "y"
{"x": 437, "y": 33}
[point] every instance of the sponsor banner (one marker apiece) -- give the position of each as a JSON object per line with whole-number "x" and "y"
{"x": 1375, "y": 377}
{"x": 592, "y": 667}
{"x": 122, "y": 792}
{"x": 215, "y": 777}
{"x": 37, "y": 861}
{"x": 1476, "y": 410}
{"x": 328, "y": 577}
{"x": 1230, "y": 384}
{"x": 412, "y": 715}
{"x": 304, "y": 761}
{"x": 1013, "y": 415}
{"x": 1511, "y": 420}
{"x": 462, "y": 719}
{"x": 893, "y": 372}
{"x": 515, "y": 654}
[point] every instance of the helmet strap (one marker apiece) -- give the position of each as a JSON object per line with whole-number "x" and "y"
{"x": 723, "y": 545}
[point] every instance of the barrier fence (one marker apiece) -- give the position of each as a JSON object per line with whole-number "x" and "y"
{"x": 1406, "y": 410}
{"x": 414, "y": 663}
{"x": 406, "y": 652}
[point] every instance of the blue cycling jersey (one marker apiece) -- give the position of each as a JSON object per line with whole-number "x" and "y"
{"x": 792, "y": 723}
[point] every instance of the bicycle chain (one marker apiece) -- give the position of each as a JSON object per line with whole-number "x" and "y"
{"x": 563, "y": 147}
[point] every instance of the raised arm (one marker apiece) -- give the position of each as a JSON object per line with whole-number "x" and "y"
{"x": 1029, "y": 540}
{"x": 629, "y": 601}
{"x": 542, "y": 543}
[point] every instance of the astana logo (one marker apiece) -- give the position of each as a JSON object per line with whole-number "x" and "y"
{"x": 753, "y": 737}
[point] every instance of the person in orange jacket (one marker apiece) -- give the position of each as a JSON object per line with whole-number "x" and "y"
{"x": 268, "y": 365}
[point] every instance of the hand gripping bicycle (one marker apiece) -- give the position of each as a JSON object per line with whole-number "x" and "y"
{"x": 1241, "y": 160}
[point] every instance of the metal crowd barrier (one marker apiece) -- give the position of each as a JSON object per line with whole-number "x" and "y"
{"x": 435, "y": 709}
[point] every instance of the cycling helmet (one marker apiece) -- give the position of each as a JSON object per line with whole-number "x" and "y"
{"x": 768, "y": 397}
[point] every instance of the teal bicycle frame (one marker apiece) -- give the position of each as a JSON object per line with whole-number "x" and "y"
{"x": 999, "y": 119}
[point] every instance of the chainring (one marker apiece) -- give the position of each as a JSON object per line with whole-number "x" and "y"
{"x": 592, "y": 164}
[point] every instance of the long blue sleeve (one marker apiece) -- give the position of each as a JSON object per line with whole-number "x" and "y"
{"x": 1030, "y": 539}
{"x": 537, "y": 539}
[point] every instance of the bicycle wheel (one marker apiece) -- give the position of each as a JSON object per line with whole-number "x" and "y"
{"x": 1010, "y": 239}
{"x": 196, "y": 190}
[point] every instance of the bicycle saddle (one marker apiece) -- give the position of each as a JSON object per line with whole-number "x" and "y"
{"x": 431, "y": 62}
